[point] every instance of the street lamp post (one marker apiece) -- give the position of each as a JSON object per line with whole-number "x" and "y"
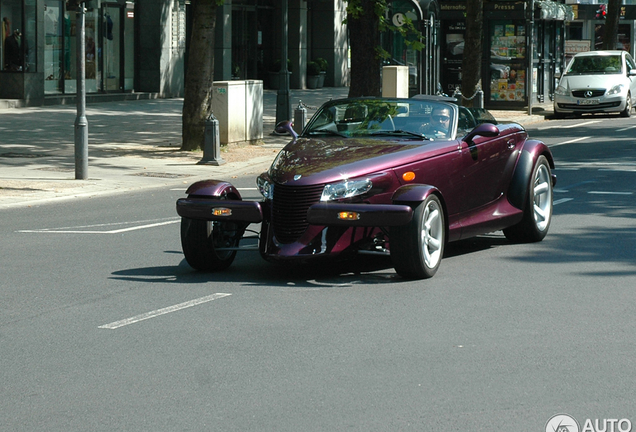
{"x": 283, "y": 105}
{"x": 81, "y": 123}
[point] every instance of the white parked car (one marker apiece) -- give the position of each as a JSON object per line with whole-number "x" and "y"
{"x": 597, "y": 82}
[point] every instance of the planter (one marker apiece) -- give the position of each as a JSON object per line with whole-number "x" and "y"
{"x": 321, "y": 79}
{"x": 313, "y": 81}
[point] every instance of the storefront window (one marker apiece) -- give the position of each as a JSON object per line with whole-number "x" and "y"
{"x": 507, "y": 61}
{"x": 399, "y": 49}
{"x": 12, "y": 48}
{"x": 623, "y": 37}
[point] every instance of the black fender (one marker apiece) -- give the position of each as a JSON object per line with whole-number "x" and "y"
{"x": 520, "y": 182}
{"x": 214, "y": 189}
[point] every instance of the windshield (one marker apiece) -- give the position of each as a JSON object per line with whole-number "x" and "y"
{"x": 366, "y": 117}
{"x": 595, "y": 65}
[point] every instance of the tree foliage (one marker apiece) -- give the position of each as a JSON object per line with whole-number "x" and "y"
{"x": 197, "y": 101}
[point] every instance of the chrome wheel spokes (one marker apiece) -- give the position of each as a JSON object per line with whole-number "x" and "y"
{"x": 432, "y": 234}
{"x": 542, "y": 193}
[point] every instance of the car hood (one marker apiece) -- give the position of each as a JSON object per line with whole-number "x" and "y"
{"x": 317, "y": 161}
{"x": 575, "y": 82}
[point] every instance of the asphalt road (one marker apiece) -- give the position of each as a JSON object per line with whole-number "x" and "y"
{"x": 104, "y": 327}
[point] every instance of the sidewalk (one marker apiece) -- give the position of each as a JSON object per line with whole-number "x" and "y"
{"x": 134, "y": 145}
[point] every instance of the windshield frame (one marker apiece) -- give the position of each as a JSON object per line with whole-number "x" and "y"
{"x": 380, "y": 118}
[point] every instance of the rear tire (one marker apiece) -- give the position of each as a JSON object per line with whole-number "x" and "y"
{"x": 201, "y": 239}
{"x": 418, "y": 247}
{"x": 538, "y": 212}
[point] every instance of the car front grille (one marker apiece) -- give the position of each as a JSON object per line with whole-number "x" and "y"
{"x": 289, "y": 210}
{"x": 595, "y": 93}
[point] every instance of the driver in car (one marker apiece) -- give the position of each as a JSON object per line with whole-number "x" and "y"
{"x": 439, "y": 127}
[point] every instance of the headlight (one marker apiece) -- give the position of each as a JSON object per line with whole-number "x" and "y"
{"x": 617, "y": 89}
{"x": 561, "y": 90}
{"x": 346, "y": 189}
{"x": 265, "y": 187}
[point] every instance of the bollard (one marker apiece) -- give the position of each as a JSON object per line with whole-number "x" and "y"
{"x": 300, "y": 117}
{"x": 479, "y": 99}
{"x": 211, "y": 143}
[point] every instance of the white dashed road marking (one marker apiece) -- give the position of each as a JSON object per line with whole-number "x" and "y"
{"x": 163, "y": 311}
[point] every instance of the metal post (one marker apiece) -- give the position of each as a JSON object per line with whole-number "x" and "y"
{"x": 479, "y": 99}
{"x": 211, "y": 143}
{"x": 81, "y": 123}
{"x": 283, "y": 105}
{"x": 300, "y": 117}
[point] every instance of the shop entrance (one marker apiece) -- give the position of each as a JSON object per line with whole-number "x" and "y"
{"x": 117, "y": 61}
{"x": 423, "y": 65}
{"x": 244, "y": 43}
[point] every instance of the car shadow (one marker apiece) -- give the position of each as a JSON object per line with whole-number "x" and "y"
{"x": 251, "y": 270}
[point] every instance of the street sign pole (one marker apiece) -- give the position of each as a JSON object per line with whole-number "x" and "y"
{"x": 81, "y": 123}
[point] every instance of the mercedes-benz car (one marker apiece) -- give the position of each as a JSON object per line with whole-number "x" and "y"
{"x": 395, "y": 177}
{"x": 597, "y": 82}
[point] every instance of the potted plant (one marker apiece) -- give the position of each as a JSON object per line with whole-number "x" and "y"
{"x": 274, "y": 73}
{"x": 322, "y": 63}
{"x": 313, "y": 75}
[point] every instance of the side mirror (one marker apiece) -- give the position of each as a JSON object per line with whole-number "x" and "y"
{"x": 286, "y": 127}
{"x": 632, "y": 72}
{"x": 484, "y": 129}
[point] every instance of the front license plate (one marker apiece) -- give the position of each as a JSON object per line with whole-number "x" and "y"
{"x": 587, "y": 102}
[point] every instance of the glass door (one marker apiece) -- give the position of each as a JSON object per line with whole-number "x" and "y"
{"x": 111, "y": 44}
{"x": 54, "y": 27}
{"x": 117, "y": 61}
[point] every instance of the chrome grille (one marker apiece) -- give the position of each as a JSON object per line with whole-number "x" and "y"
{"x": 595, "y": 93}
{"x": 289, "y": 210}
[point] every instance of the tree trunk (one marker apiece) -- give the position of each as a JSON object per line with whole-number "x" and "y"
{"x": 364, "y": 37}
{"x": 197, "y": 101}
{"x": 611, "y": 24}
{"x": 471, "y": 63}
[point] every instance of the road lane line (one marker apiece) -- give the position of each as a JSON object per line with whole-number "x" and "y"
{"x": 609, "y": 193}
{"x": 163, "y": 311}
{"x": 570, "y": 126}
{"x": 624, "y": 129}
{"x": 117, "y": 231}
{"x": 561, "y": 201}
{"x": 570, "y": 142}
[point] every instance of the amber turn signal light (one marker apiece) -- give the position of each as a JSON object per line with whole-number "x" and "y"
{"x": 408, "y": 176}
{"x": 345, "y": 215}
{"x": 221, "y": 211}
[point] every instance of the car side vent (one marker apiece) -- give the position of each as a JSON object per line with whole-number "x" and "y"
{"x": 289, "y": 210}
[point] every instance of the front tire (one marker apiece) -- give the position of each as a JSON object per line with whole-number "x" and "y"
{"x": 537, "y": 214}
{"x": 418, "y": 247}
{"x": 627, "y": 112}
{"x": 201, "y": 241}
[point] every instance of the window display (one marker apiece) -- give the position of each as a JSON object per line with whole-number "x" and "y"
{"x": 508, "y": 61}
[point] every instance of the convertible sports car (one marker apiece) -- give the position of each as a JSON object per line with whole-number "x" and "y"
{"x": 400, "y": 177}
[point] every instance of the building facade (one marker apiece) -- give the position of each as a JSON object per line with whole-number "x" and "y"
{"x": 137, "y": 47}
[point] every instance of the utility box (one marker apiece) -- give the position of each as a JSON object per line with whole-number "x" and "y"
{"x": 395, "y": 81}
{"x": 238, "y": 106}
